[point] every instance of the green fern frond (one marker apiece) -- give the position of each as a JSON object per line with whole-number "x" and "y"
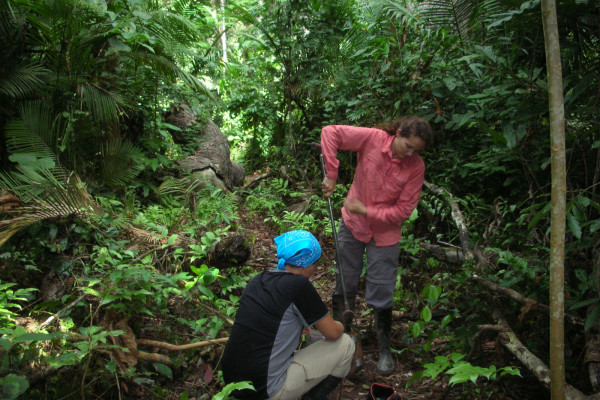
{"x": 177, "y": 187}
{"x": 172, "y": 186}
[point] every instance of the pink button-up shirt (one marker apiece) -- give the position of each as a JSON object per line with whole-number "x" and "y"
{"x": 388, "y": 187}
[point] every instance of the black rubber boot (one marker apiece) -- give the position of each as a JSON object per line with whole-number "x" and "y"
{"x": 323, "y": 389}
{"x": 337, "y": 303}
{"x": 339, "y": 309}
{"x": 383, "y": 321}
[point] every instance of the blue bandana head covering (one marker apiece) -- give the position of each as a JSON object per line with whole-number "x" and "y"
{"x": 299, "y": 248}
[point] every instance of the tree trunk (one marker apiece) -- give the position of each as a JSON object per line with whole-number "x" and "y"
{"x": 223, "y": 31}
{"x": 557, "y": 221}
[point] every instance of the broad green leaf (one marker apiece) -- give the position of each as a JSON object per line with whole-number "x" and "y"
{"x": 32, "y": 337}
{"x": 426, "y": 314}
{"x": 431, "y": 293}
{"x": 224, "y": 394}
{"x": 432, "y": 370}
{"x": 584, "y": 303}
{"x": 5, "y": 344}
{"x": 164, "y": 370}
{"x": 13, "y": 386}
{"x": 456, "y": 357}
{"x": 416, "y": 328}
{"x": 172, "y": 239}
{"x": 574, "y": 225}
{"x": 445, "y": 321}
{"x": 509, "y": 371}
{"x": 592, "y": 318}
{"x": 464, "y": 371}
{"x": 68, "y": 358}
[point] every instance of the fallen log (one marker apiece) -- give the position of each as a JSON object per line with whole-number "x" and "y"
{"x": 451, "y": 255}
{"x": 511, "y": 342}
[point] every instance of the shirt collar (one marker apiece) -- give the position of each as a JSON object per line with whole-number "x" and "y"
{"x": 386, "y": 148}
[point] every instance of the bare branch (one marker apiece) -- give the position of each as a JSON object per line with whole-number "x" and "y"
{"x": 527, "y": 302}
{"x": 536, "y": 366}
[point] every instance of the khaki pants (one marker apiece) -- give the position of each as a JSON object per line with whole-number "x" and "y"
{"x": 314, "y": 363}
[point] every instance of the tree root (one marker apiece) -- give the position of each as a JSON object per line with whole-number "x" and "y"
{"x": 182, "y": 347}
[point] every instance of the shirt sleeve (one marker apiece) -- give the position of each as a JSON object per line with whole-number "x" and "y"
{"x": 406, "y": 203}
{"x": 309, "y": 303}
{"x": 341, "y": 137}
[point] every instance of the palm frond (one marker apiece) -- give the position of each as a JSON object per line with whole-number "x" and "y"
{"x": 399, "y": 12}
{"x": 35, "y": 135}
{"x": 21, "y": 80}
{"x": 452, "y": 15}
{"x": 120, "y": 162}
{"x": 103, "y": 104}
{"x": 44, "y": 187}
{"x": 143, "y": 236}
{"x": 44, "y": 196}
{"x": 172, "y": 28}
{"x": 169, "y": 69}
{"x": 466, "y": 18}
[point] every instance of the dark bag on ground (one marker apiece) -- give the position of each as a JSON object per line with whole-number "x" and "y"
{"x": 379, "y": 391}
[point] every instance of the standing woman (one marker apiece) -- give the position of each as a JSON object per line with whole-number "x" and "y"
{"x": 385, "y": 191}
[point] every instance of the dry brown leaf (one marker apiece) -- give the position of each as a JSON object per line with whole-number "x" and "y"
{"x": 529, "y": 304}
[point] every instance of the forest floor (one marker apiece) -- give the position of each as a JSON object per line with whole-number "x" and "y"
{"x": 407, "y": 362}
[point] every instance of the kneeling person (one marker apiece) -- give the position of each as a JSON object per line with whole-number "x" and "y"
{"x": 276, "y": 306}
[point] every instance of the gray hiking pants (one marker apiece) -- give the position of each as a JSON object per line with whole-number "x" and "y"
{"x": 382, "y": 269}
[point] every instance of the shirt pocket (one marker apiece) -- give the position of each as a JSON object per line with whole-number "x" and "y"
{"x": 392, "y": 187}
{"x": 373, "y": 174}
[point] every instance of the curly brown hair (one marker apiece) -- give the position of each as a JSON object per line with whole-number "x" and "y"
{"x": 409, "y": 126}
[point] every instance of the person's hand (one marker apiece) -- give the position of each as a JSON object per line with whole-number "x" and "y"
{"x": 328, "y": 186}
{"x": 355, "y": 206}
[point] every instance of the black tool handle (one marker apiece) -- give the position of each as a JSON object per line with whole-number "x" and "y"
{"x": 337, "y": 246}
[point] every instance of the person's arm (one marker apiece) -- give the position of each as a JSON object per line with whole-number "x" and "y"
{"x": 327, "y": 186}
{"x": 330, "y": 328}
{"x": 404, "y": 206}
{"x": 355, "y": 206}
{"x": 334, "y": 138}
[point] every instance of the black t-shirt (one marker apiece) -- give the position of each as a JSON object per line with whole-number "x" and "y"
{"x": 274, "y": 308}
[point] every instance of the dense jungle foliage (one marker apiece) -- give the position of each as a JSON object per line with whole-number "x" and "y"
{"x": 105, "y": 238}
